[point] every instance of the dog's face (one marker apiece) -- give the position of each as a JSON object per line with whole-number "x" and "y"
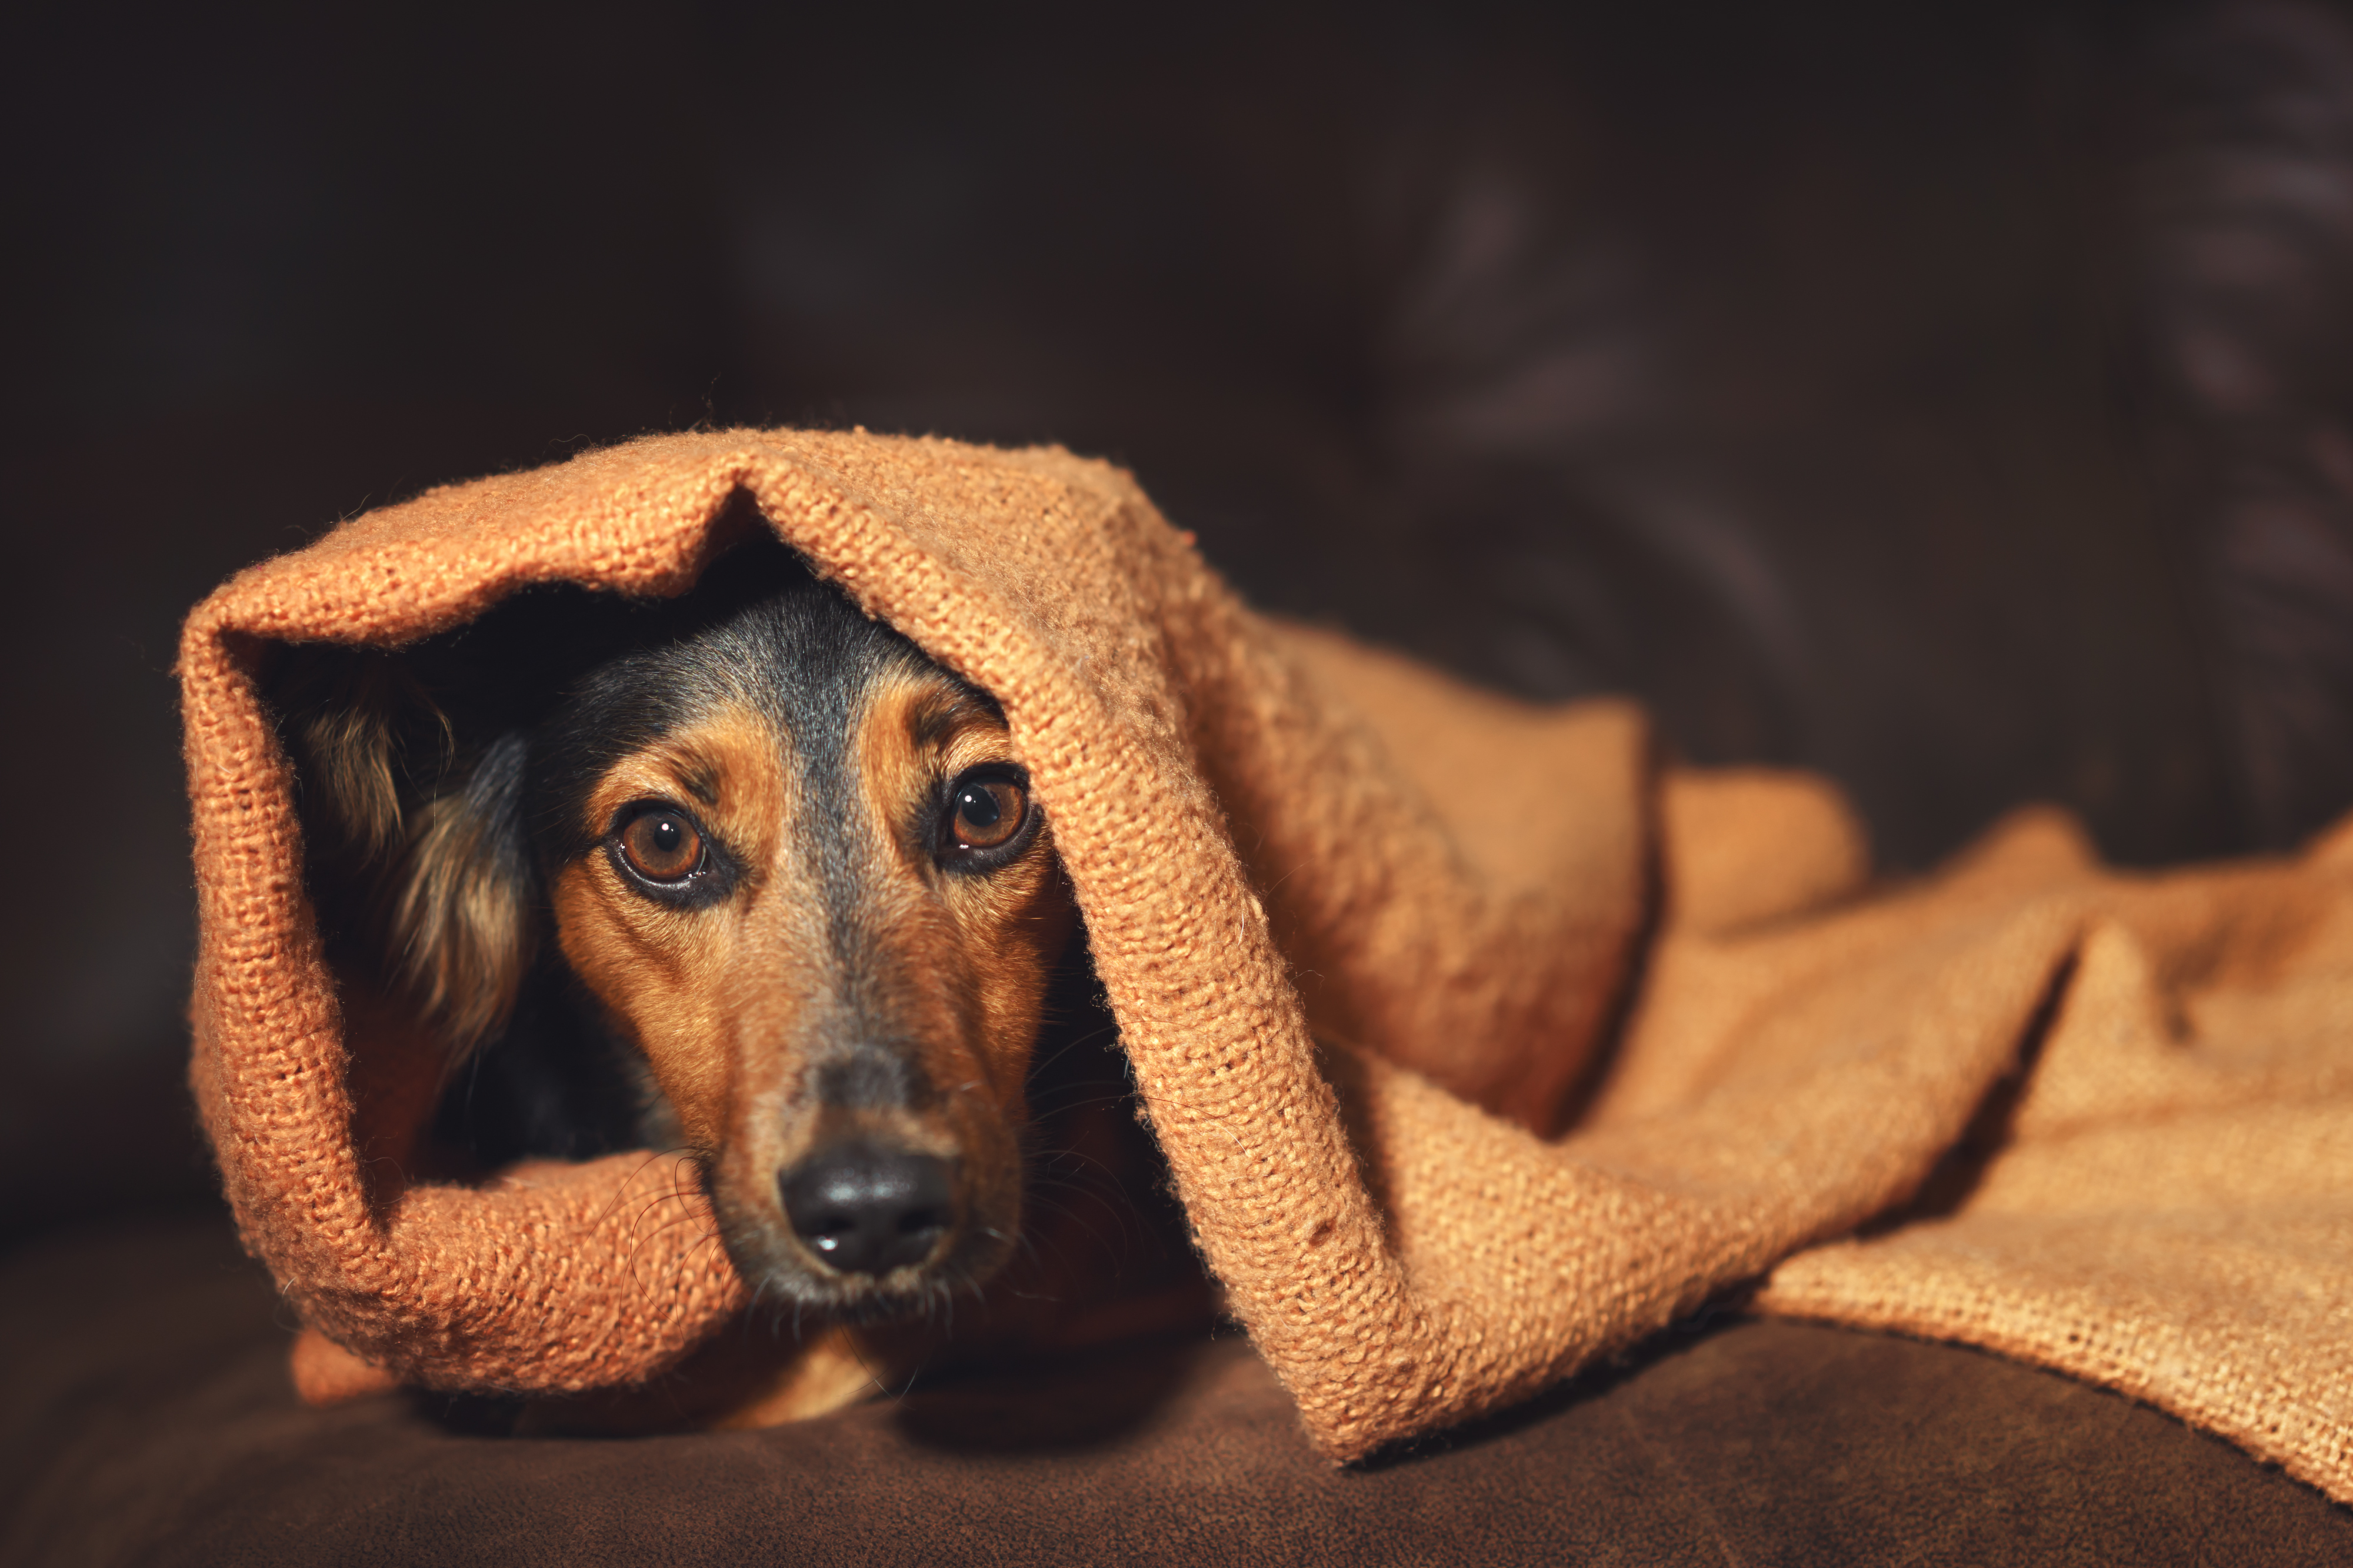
{"x": 798, "y": 867}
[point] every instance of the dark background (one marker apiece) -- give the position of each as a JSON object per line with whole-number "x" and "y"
{"x": 1951, "y": 398}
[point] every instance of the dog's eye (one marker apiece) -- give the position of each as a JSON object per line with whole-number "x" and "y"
{"x": 661, "y": 845}
{"x": 985, "y": 813}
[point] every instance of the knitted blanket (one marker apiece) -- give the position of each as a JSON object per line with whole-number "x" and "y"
{"x": 1479, "y": 1044}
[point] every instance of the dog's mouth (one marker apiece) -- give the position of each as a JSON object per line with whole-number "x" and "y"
{"x": 866, "y": 1228}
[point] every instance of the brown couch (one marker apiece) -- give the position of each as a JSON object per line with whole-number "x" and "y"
{"x": 150, "y": 1421}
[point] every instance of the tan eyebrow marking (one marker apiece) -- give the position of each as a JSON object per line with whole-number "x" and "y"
{"x": 700, "y": 779}
{"x": 941, "y": 709}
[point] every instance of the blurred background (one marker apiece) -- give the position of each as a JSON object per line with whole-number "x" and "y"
{"x": 1956, "y": 398}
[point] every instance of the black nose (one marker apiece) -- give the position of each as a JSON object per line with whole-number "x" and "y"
{"x": 867, "y": 1209}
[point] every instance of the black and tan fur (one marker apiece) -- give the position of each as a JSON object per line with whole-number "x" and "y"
{"x": 750, "y": 876}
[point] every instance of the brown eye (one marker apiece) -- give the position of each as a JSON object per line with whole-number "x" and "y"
{"x": 985, "y": 814}
{"x": 661, "y": 845}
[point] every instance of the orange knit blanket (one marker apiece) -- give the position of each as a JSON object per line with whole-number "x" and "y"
{"x": 2129, "y": 1098}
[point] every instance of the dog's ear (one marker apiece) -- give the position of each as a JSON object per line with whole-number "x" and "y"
{"x": 418, "y": 839}
{"x": 365, "y": 731}
{"x": 459, "y": 913}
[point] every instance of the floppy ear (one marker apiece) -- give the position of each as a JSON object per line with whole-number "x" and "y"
{"x": 458, "y": 915}
{"x": 424, "y": 840}
{"x": 360, "y": 722}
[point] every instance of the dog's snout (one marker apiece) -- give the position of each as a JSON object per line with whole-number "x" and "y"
{"x": 872, "y": 1078}
{"x": 866, "y": 1208}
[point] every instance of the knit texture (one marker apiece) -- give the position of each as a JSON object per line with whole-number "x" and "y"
{"x": 2130, "y": 1099}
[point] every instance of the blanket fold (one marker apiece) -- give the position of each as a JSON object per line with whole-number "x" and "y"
{"x": 1479, "y": 1044}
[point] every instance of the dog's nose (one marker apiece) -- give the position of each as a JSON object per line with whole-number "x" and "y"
{"x": 867, "y": 1209}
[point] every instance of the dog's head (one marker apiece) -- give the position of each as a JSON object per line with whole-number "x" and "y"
{"x": 798, "y": 869}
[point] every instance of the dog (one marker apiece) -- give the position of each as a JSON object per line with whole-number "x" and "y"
{"x": 747, "y": 875}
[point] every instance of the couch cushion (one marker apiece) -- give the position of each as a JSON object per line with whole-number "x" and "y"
{"x": 150, "y": 1421}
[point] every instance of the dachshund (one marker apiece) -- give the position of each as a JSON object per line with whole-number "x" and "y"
{"x": 744, "y": 874}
